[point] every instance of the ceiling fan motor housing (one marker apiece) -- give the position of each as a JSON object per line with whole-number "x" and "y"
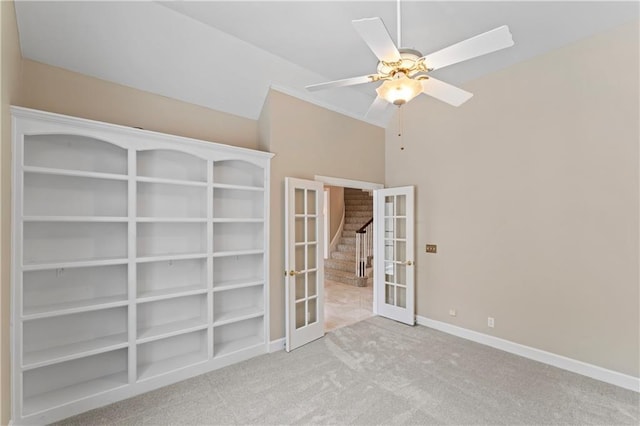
{"x": 409, "y": 65}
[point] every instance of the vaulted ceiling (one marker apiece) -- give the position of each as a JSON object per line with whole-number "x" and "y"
{"x": 226, "y": 55}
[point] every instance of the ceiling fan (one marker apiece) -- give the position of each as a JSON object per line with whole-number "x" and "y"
{"x": 405, "y": 72}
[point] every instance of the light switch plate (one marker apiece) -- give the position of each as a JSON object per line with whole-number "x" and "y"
{"x": 431, "y": 248}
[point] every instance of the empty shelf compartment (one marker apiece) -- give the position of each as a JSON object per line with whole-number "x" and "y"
{"x": 238, "y": 336}
{"x": 231, "y": 237}
{"x": 170, "y": 354}
{"x": 71, "y": 381}
{"x": 160, "y": 239}
{"x": 163, "y": 200}
{"x": 238, "y": 172}
{"x": 51, "y": 195}
{"x": 239, "y": 304}
{"x": 58, "y": 339}
{"x": 170, "y": 164}
{"x": 168, "y": 277}
{"x": 52, "y": 242}
{"x": 238, "y": 203}
{"x": 73, "y": 152}
{"x": 64, "y": 289}
{"x": 238, "y": 269}
{"x": 171, "y": 316}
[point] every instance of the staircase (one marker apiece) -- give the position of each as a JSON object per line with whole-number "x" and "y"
{"x": 341, "y": 265}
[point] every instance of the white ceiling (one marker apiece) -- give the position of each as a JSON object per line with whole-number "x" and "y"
{"x": 226, "y": 55}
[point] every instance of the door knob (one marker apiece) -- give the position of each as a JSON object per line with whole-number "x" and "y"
{"x": 408, "y": 263}
{"x": 293, "y": 273}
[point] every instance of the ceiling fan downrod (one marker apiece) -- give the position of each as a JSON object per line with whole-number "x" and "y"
{"x": 399, "y": 24}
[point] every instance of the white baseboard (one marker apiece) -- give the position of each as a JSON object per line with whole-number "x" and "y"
{"x": 276, "y": 345}
{"x": 569, "y": 364}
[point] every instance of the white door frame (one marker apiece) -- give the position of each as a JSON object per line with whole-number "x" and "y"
{"x": 349, "y": 183}
{"x": 327, "y": 210}
{"x": 365, "y": 186}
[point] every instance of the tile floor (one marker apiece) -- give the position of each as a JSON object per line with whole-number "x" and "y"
{"x": 345, "y": 304}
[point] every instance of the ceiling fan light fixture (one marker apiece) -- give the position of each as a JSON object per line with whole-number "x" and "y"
{"x": 399, "y": 91}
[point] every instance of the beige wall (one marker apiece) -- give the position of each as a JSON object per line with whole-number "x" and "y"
{"x": 309, "y": 140}
{"x": 531, "y": 192}
{"x": 10, "y": 81}
{"x": 336, "y": 209}
{"x": 57, "y": 90}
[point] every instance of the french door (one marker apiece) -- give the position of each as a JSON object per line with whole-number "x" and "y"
{"x": 304, "y": 261}
{"x": 394, "y": 253}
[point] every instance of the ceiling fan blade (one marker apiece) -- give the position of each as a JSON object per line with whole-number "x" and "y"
{"x": 341, "y": 83}
{"x": 375, "y": 34}
{"x": 376, "y": 109}
{"x": 496, "y": 39}
{"x": 445, "y": 92}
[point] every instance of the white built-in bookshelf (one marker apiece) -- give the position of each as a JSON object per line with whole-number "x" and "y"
{"x": 139, "y": 259}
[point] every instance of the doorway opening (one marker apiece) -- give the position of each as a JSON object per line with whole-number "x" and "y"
{"x": 348, "y": 283}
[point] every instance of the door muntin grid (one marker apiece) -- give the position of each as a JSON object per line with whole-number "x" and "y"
{"x": 395, "y": 251}
{"x": 305, "y": 268}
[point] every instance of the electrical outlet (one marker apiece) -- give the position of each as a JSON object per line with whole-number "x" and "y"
{"x": 452, "y": 312}
{"x": 491, "y": 322}
{"x": 431, "y": 248}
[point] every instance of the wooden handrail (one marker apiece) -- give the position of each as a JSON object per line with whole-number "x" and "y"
{"x": 362, "y": 229}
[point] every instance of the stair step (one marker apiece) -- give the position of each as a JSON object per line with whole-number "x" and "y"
{"x": 347, "y": 278}
{"x": 356, "y": 219}
{"x": 340, "y": 279}
{"x": 363, "y": 213}
{"x": 350, "y": 255}
{"x": 340, "y": 265}
{"x": 351, "y": 240}
{"x": 337, "y": 272}
{"x": 346, "y": 248}
{"x": 353, "y": 227}
{"x": 360, "y": 213}
{"x": 358, "y": 201}
{"x": 358, "y": 207}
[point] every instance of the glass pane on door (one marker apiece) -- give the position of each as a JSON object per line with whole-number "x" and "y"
{"x": 306, "y": 279}
{"x": 300, "y": 314}
{"x": 395, "y": 250}
{"x": 401, "y": 296}
{"x": 299, "y": 201}
{"x": 300, "y": 287}
{"x": 312, "y": 287}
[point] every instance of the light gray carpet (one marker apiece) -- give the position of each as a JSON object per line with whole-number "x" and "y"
{"x": 380, "y": 372}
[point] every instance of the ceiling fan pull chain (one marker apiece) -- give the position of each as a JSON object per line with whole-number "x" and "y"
{"x": 400, "y": 129}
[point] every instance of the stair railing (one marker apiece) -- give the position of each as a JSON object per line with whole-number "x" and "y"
{"x": 364, "y": 248}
